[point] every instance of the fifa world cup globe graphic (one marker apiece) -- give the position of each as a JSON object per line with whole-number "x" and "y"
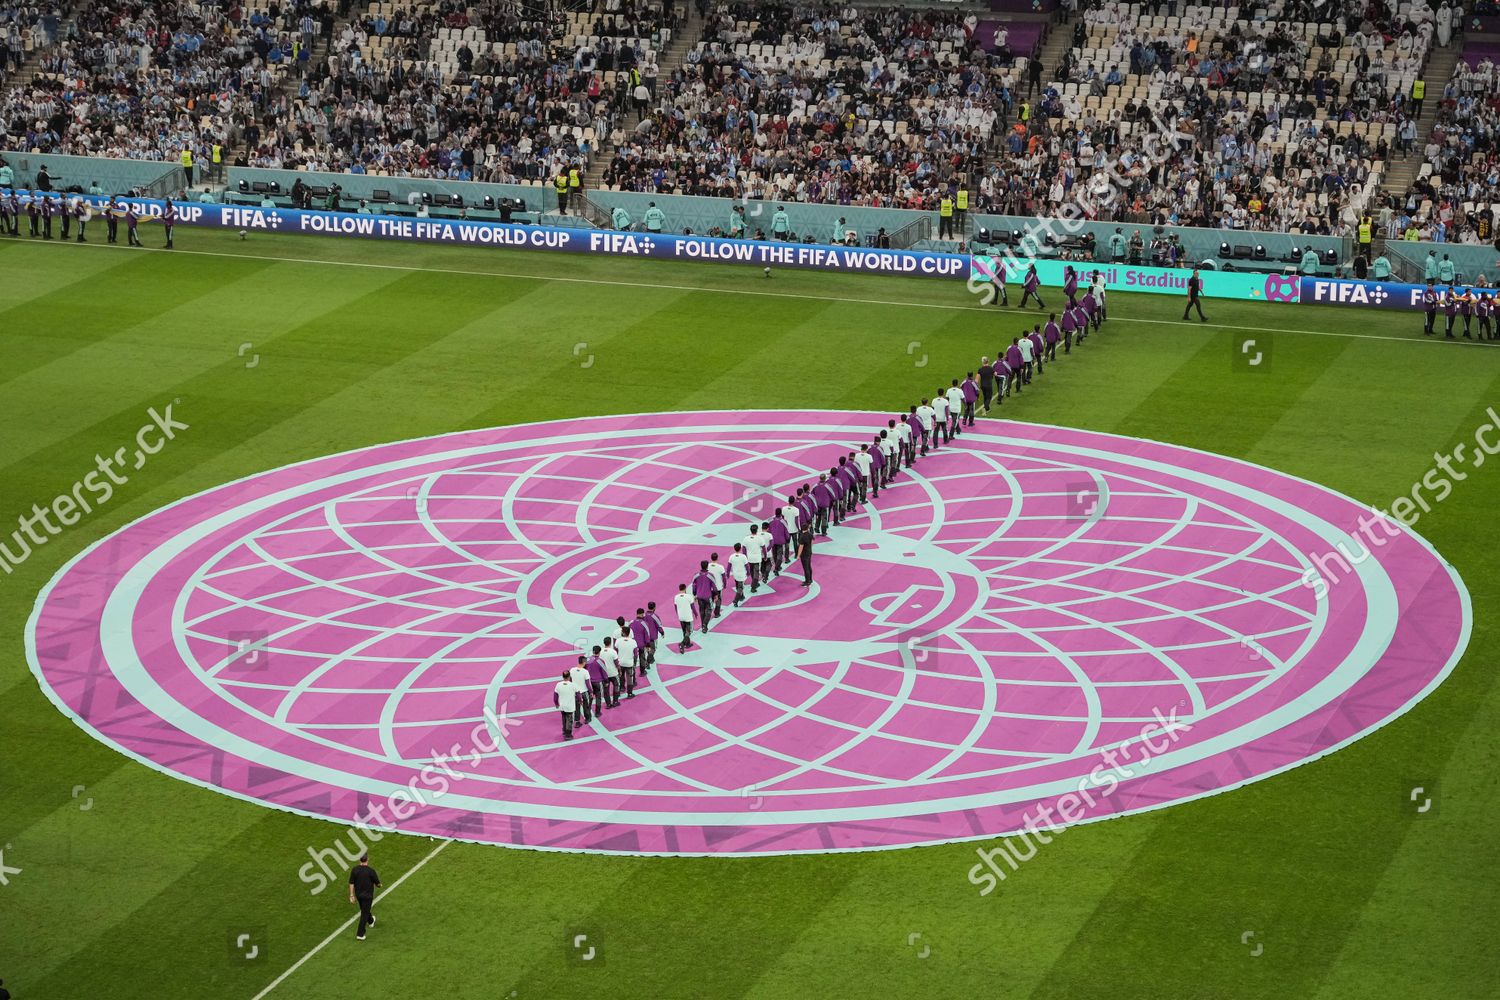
{"x": 1017, "y": 612}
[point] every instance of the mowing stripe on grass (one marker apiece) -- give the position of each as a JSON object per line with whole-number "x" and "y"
{"x": 895, "y": 303}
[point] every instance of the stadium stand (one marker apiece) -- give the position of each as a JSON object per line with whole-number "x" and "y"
{"x": 821, "y": 103}
{"x": 1456, "y": 194}
{"x": 499, "y": 92}
{"x": 1216, "y": 116}
{"x": 146, "y": 80}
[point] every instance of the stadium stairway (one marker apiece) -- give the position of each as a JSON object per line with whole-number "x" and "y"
{"x": 1437, "y": 73}
{"x": 674, "y": 57}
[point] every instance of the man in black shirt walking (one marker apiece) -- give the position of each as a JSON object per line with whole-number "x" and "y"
{"x": 805, "y": 551}
{"x": 1195, "y": 300}
{"x": 362, "y": 885}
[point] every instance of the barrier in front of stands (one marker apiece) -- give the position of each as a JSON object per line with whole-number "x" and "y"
{"x": 149, "y": 177}
{"x": 1275, "y": 288}
{"x": 1373, "y": 294}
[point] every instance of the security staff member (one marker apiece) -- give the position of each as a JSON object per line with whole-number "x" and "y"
{"x": 805, "y": 550}
{"x": 187, "y": 165}
{"x": 961, "y": 205}
{"x": 560, "y": 186}
{"x": 363, "y": 881}
{"x": 218, "y": 160}
{"x": 1195, "y": 297}
{"x": 1366, "y": 234}
{"x": 945, "y": 218}
{"x": 575, "y": 183}
{"x": 1430, "y": 307}
{"x": 655, "y": 217}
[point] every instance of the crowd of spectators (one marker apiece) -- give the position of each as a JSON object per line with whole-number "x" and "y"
{"x": 1452, "y": 199}
{"x": 146, "y": 80}
{"x": 25, "y": 28}
{"x": 1210, "y": 118}
{"x": 819, "y": 102}
{"x": 499, "y": 91}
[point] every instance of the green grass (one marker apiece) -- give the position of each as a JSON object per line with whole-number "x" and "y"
{"x": 359, "y": 343}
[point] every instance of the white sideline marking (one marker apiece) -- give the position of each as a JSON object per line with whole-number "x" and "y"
{"x": 347, "y": 923}
{"x": 991, "y": 310}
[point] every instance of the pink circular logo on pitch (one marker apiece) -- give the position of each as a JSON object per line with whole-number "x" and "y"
{"x": 1031, "y": 616}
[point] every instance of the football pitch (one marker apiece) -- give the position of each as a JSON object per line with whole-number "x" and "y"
{"x": 1359, "y": 874}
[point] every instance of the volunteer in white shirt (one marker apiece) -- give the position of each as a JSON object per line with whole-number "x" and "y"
{"x": 1026, "y": 353}
{"x": 889, "y": 446}
{"x": 906, "y": 447}
{"x": 716, "y": 570}
{"x": 683, "y": 602}
{"x": 939, "y": 419}
{"x": 864, "y": 463}
{"x": 565, "y": 697}
{"x": 610, "y": 657}
{"x": 739, "y": 571}
{"x": 927, "y": 414}
{"x": 955, "y": 409}
{"x": 580, "y": 675}
{"x": 626, "y": 646}
{"x": 754, "y": 547}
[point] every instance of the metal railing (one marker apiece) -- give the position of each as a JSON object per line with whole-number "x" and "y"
{"x": 912, "y": 233}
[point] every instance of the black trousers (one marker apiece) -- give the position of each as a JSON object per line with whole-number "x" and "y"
{"x": 1027, "y": 295}
{"x": 567, "y": 721}
{"x": 705, "y": 612}
{"x": 988, "y": 393}
{"x": 1431, "y": 319}
{"x": 807, "y": 567}
{"x": 1194, "y": 303}
{"x": 113, "y": 225}
{"x": 365, "y": 916}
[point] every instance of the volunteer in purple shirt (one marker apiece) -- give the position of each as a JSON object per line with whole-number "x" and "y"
{"x": 1052, "y": 333}
{"x": 839, "y": 492}
{"x": 1465, "y": 310}
{"x": 849, "y": 479}
{"x": 1430, "y": 307}
{"x": 971, "y": 396}
{"x": 657, "y": 628}
{"x": 877, "y": 468}
{"x": 1001, "y": 371}
{"x": 598, "y": 690}
{"x": 703, "y": 593}
{"x": 1032, "y": 288}
{"x": 1483, "y": 307}
{"x": 1037, "y": 345}
{"x": 822, "y": 498}
{"x": 1000, "y": 282}
{"x": 1090, "y": 309}
{"x": 1450, "y": 309}
{"x": 1013, "y": 360}
{"x": 645, "y": 641}
{"x": 1070, "y": 283}
{"x": 169, "y": 220}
